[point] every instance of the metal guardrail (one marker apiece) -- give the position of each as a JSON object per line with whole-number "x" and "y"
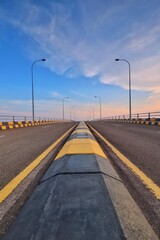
{"x": 137, "y": 116}
{"x": 9, "y": 118}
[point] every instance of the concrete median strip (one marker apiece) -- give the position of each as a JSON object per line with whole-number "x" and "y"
{"x": 79, "y": 146}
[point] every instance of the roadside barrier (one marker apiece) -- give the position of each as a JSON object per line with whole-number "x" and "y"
{"x": 138, "y": 121}
{"x": 22, "y": 124}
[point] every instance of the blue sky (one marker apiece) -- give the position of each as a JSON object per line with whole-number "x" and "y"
{"x": 80, "y": 40}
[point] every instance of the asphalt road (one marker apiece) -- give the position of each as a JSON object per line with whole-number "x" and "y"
{"x": 19, "y": 147}
{"x": 139, "y": 143}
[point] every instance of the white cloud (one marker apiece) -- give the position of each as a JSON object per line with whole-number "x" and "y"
{"x": 56, "y": 94}
{"x": 83, "y": 46}
{"x": 110, "y": 80}
{"x": 143, "y": 36}
{"x": 144, "y": 75}
{"x": 79, "y": 94}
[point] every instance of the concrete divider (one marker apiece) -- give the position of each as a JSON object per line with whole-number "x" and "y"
{"x": 139, "y": 121}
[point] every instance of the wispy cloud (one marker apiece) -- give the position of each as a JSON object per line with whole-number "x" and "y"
{"x": 144, "y": 75}
{"x": 79, "y": 94}
{"x": 143, "y": 36}
{"x": 56, "y": 94}
{"x": 86, "y": 42}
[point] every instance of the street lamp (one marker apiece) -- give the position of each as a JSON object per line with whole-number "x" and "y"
{"x": 71, "y": 113}
{"x": 63, "y": 105}
{"x": 130, "y": 111}
{"x": 89, "y": 115}
{"x": 43, "y": 60}
{"x": 99, "y": 105}
{"x": 93, "y": 111}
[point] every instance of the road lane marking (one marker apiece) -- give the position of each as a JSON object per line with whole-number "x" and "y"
{"x": 8, "y": 189}
{"x": 46, "y": 126}
{"x": 2, "y": 136}
{"x": 146, "y": 180}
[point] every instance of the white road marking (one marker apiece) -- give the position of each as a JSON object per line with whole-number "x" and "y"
{"x": 118, "y": 125}
{"x": 2, "y": 136}
{"x": 46, "y": 126}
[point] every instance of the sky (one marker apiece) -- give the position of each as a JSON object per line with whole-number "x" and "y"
{"x": 80, "y": 40}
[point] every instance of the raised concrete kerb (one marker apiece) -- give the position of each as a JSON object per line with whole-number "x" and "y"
{"x": 71, "y": 202}
{"x": 81, "y": 135}
{"x": 65, "y": 203}
{"x": 133, "y": 222}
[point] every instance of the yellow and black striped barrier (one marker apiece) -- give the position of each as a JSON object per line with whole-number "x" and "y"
{"x": 20, "y": 124}
{"x": 139, "y": 121}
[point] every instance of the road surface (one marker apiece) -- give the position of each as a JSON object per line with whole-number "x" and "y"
{"x": 19, "y": 147}
{"x": 141, "y": 145}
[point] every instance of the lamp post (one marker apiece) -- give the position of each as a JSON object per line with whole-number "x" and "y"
{"x": 100, "y": 112}
{"x": 92, "y": 111}
{"x": 63, "y": 105}
{"x": 71, "y": 113}
{"x": 89, "y": 115}
{"x": 130, "y": 107}
{"x": 43, "y": 59}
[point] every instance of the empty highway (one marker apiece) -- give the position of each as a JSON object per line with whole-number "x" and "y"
{"x": 19, "y": 147}
{"x": 140, "y": 144}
